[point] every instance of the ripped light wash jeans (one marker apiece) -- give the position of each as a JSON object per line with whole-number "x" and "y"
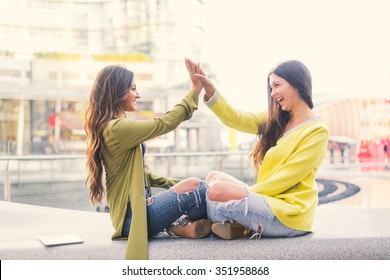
{"x": 252, "y": 212}
{"x": 167, "y": 206}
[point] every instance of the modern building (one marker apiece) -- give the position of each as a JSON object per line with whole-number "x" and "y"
{"x": 359, "y": 127}
{"x": 51, "y": 50}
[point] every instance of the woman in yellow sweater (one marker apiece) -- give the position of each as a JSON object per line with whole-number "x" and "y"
{"x": 292, "y": 143}
{"x": 116, "y": 145}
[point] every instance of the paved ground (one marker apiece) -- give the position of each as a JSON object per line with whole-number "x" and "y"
{"x": 339, "y": 234}
{"x": 357, "y": 227}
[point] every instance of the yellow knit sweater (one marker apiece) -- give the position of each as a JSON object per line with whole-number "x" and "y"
{"x": 287, "y": 175}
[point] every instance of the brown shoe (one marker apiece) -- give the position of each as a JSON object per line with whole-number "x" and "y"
{"x": 196, "y": 229}
{"x": 229, "y": 231}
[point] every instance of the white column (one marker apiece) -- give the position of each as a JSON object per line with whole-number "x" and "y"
{"x": 7, "y": 183}
{"x": 192, "y": 137}
{"x": 20, "y": 135}
{"x": 177, "y": 140}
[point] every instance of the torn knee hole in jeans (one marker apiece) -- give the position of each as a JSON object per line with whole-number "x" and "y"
{"x": 180, "y": 197}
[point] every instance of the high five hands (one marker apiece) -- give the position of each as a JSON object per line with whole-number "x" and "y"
{"x": 199, "y": 78}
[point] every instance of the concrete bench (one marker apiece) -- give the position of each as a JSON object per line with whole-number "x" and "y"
{"x": 339, "y": 234}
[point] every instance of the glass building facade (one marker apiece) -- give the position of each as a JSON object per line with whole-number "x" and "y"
{"x": 51, "y": 50}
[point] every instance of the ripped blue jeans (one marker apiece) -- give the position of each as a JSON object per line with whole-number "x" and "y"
{"x": 252, "y": 212}
{"x": 167, "y": 206}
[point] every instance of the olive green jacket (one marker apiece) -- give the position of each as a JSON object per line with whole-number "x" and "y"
{"x": 125, "y": 170}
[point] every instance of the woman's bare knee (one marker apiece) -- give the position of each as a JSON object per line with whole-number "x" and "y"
{"x": 214, "y": 192}
{"x": 186, "y": 185}
{"x": 212, "y": 176}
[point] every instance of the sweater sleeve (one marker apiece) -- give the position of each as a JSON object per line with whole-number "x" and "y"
{"x": 240, "y": 120}
{"x": 305, "y": 159}
{"x": 156, "y": 181}
{"x": 131, "y": 133}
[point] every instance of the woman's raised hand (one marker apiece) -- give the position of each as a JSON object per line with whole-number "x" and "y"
{"x": 194, "y": 69}
{"x": 207, "y": 84}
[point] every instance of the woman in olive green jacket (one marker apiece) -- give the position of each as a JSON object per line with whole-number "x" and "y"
{"x": 116, "y": 145}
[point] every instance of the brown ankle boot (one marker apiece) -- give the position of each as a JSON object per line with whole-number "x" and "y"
{"x": 229, "y": 231}
{"x": 196, "y": 229}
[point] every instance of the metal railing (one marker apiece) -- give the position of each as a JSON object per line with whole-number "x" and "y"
{"x": 18, "y": 170}
{"x": 50, "y": 169}
{"x": 35, "y": 168}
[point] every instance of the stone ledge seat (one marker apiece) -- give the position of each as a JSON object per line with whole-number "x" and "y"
{"x": 339, "y": 234}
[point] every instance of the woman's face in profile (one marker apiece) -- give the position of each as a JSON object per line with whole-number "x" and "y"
{"x": 130, "y": 103}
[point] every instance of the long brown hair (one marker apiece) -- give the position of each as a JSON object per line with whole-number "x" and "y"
{"x": 111, "y": 86}
{"x": 298, "y": 76}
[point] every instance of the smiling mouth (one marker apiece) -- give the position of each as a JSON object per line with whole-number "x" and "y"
{"x": 280, "y": 100}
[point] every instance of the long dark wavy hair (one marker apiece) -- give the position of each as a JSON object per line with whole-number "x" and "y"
{"x": 111, "y": 86}
{"x": 298, "y": 76}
